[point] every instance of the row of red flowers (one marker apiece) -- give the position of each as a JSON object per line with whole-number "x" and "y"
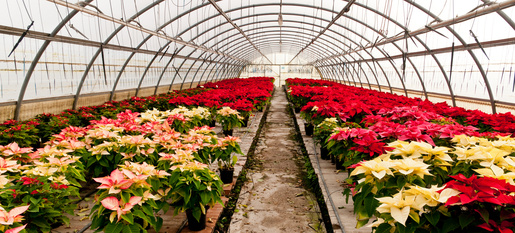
{"x": 412, "y": 148}
{"x": 239, "y": 94}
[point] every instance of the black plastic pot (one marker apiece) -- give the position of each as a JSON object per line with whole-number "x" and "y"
{"x": 226, "y": 175}
{"x": 212, "y": 123}
{"x": 245, "y": 122}
{"x": 339, "y": 165}
{"x": 324, "y": 152}
{"x": 309, "y": 129}
{"x": 195, "y": 225}
{"x": 227, "y": 132}
{"x": 297, "y": 109}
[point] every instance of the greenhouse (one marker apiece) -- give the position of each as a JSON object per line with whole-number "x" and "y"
{"x": 257, "y": 116}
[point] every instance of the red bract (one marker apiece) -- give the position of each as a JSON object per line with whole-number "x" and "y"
{"x": 28, "y": 180}
{"x": 58, "y": 186}
{"x": 371, "y": 147}
{"x": 504, "y": 227}
{"x": 480, "y": 189}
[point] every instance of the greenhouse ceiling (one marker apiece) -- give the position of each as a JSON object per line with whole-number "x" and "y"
{"x": 72, "y": 49}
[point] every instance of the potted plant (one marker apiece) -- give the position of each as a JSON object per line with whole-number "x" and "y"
{"x": 128, "y": 199}
{"x": 229, "y": 119}
{"x": 226, "y": 159}
{"x": 244, "y": 107}
{"x": 195, "y": 189}
{"x": 321, "y": 134}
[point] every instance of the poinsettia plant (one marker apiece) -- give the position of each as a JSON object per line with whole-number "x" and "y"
{"x": 194, "y": 187}
{"x": 10, "y": 221}
{"x": 225, "y": 152}
{"x": 129, "y": 198}
{"x": 229, "y": 118}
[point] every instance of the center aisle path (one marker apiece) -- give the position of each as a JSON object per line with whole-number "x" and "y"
{"x": 273, "y": 199}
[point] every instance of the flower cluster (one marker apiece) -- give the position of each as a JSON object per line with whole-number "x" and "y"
{"x": 99, "y": 140}
{"x": 414, "y": 164}
{"x": 419, "y": 185}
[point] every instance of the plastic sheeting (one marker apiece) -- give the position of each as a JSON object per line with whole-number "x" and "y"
{"x": 458, "y": 48}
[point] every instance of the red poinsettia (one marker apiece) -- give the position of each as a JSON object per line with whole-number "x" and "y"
{"x": 480, "y": 189}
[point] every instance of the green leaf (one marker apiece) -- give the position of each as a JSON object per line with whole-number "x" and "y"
{"x": 414, "y": 215}
{"x": 433, "y": 217}
{"x": 383, "y": 228}
{"x": 400, "y": 228}
{"x": 128, "y": 217}
{"x": 40, "y": 223}
{"x": 114, "y": 227}
{"x": 34, "y": 200}
{"x": 159, "y": 224}
{"x": 449, "y": 225}
{"x": 104, "y": 163}
{"x": 205, "y": 197}
{"x": 401, "y": 182}
{"x": 140, "y": 214}
{"x": 147, "y": 209}
{"x": 484, "y": 214}
{"x": 371, "y": 205}
{"x": 361, "y": 223}
{"x": 135, "y": 228}
{"x": 126, "y": 197}
{"x": 465, "y": 220}
{"x": 97, "y": 222}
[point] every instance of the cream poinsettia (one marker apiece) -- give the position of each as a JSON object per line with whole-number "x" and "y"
{"x": 410, "y": 166}
{"x": 409, "y": 149}
{"x": 497, "y": 172}
{"x": 400, "y": 205}
{"x": 377, "y": 168}
{"x": 464, "y": 140}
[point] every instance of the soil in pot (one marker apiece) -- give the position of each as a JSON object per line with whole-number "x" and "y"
{"x": 309, "y": 129}
{"x": 226, "y": 175}
{"x": 195, "y": 225}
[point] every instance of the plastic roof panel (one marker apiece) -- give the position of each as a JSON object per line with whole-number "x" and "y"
{"x": 392, "y": 43}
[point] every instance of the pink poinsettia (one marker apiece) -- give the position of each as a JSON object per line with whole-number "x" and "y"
{"x": 14, "y": 149}
{"x": 14, "y": 215}
{"x": 16, "y": 230}
{"x": 112, "y": 203}
{"x": 116, "y": 182}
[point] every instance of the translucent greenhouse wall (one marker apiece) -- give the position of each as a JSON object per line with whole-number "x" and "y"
{"x": 82, "y": 53}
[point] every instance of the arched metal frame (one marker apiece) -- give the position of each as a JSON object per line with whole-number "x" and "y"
{"x": 230, "y": 66}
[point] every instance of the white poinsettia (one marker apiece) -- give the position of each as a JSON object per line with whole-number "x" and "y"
{"x": 400, "y": 205}
{"x": 377, "y": 168}
{"x": 497, "y": 172}
{"x": 410, "y": 166}
{"x": 465, "y": 141}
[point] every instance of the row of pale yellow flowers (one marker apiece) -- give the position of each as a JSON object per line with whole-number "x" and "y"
{"x": 493, "y": 157}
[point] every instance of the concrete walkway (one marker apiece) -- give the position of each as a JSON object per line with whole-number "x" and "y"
{"x": 273, "y": 199}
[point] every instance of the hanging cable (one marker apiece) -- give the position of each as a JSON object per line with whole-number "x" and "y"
{"x": 27, "y": 10}
{"x": 452, "y": 60}
{"x": 21, "y": 38}
{"x": 478, "y": 43}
